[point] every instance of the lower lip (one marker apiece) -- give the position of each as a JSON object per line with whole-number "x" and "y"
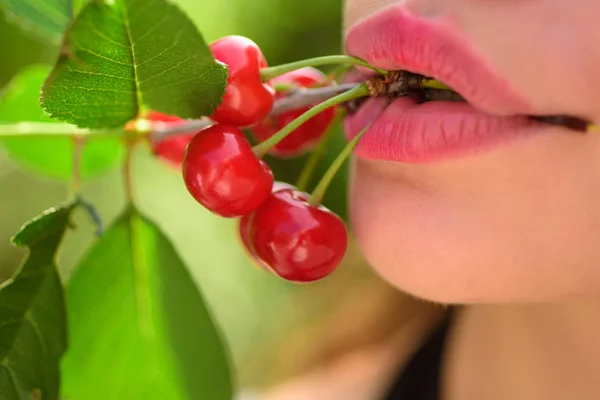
{"x": 404, "y": 131}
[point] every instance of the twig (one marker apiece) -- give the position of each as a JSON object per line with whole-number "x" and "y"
{"x": 162, "y": 130}
{"x": 306, "y": 97}
{"x": 93, "y": 214}
{"x": 298, "y": 98}
{"x": 78, "y": 144}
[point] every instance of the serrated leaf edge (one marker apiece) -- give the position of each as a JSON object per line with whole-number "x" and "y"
{"x": 26, "y": 315}
{"x": 64, "y": 53}
{"x": 15, "y": 240}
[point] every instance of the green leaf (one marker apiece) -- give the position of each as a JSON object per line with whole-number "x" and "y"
{"x": 124, "y": 57}
{"x": 138, "y": 326}
{"x": 50, "y": 156}
{"x": 32, "y": 313}
{"x": 46, "y": 19}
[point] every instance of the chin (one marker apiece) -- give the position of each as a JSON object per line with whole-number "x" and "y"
{"x": 406, "y": 238}
{"x": 455, "y": 245}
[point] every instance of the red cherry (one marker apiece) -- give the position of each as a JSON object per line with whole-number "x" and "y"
{"x": 158, "y": 116}
{"x": 306, "y": 136}
{"x": 170, "y": 149}
{"x": 298, "y": 241}
{"x": 222, "y": 173}
{"x": 247, "y": 98}
{"x": 244, "y": 224}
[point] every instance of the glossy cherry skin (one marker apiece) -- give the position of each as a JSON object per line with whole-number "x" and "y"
{"x": 222, "y": 173}
{"x": 244, "y": 224}
{"x": 307, "y": 135}
{"x": 243, "y": 227}
{"x": 171, "y": 149}
{"x": 247, "y": 99}
{"x": 298, "y": 241}
{"x": 158, "y": 116}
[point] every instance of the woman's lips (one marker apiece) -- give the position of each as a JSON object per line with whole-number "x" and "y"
{"x": 404, "y": 131}
{"x": 395, "y": 39}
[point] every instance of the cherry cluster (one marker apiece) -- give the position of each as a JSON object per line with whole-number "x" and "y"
{"x": 282, "y": 228}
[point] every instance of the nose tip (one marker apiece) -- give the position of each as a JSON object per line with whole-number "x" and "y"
{"x": 428, "y": 8}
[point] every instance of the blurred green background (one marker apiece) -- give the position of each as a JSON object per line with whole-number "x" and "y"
{"x": 274, "y": 329}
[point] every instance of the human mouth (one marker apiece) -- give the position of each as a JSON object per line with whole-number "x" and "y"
{"x": 407, "y": 130}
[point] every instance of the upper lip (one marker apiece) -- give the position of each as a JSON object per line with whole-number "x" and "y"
{"x": 395, "y": 39}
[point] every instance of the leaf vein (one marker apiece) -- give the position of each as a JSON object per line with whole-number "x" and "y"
{"x": 165, "y": 17}
{"x": 138, "y": 93}
{"x": 78, "y": 71}
{"x": 164, "y": 71}
{"x": 102, "y": 35}
{"x": 37, "y": 331}
{"x": 97, "y": 89}
{"x": 166, "y": 49}
{"x": 111, "y": 104}
{"x": 10, "y": 322}
{"x": 39, "y": 271}
{"x": 103, "y": 57}
{"x": 140, "y": 274}
{"x": 192, "y": 79}
{"x": 13, "y": 378}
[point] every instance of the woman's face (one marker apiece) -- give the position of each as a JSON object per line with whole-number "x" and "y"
{"x": 454, "y": 205}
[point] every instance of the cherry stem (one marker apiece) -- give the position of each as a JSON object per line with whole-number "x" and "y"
{"x": 311, "y": 164}
{"x": 93, "y": 214}
{"x": 78, "y": 143}
{"x": 434, "y": 84}
{"x": 283, "y": 87}
{"x": 298, "y": 98}
{"x": 318, "y": 193}
{"x": 273, "y": 72}
{"x": 304, "y": 97}
{"x": 264, "y": 147}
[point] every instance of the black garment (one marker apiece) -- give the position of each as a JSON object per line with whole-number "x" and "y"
{"x": 419, "y": 379}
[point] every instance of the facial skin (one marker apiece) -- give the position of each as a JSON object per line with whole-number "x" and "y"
{"x": 516, "y": 223}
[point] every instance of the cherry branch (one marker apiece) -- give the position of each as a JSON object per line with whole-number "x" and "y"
{"x": 297, "y": 98}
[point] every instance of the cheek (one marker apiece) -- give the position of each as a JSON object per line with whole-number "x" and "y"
{"x": 355, "y": 10}
{"x": 521, "y": 223}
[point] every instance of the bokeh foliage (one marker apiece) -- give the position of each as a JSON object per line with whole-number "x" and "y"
{"x": 248, "y": 303}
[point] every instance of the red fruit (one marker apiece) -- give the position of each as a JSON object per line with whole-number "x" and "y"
{"x": 222, "y": 173}
{"x": 170, "y": 149}
{"x": 307, "y": 135}
{"x": 243, "y": 229}
{"x": 244, "y": 224}
{"x": 298, "y": 241}
{"x": 157, "y": 116}
{"x": 277, "y": 186}
{"x": 247, "y": 98}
